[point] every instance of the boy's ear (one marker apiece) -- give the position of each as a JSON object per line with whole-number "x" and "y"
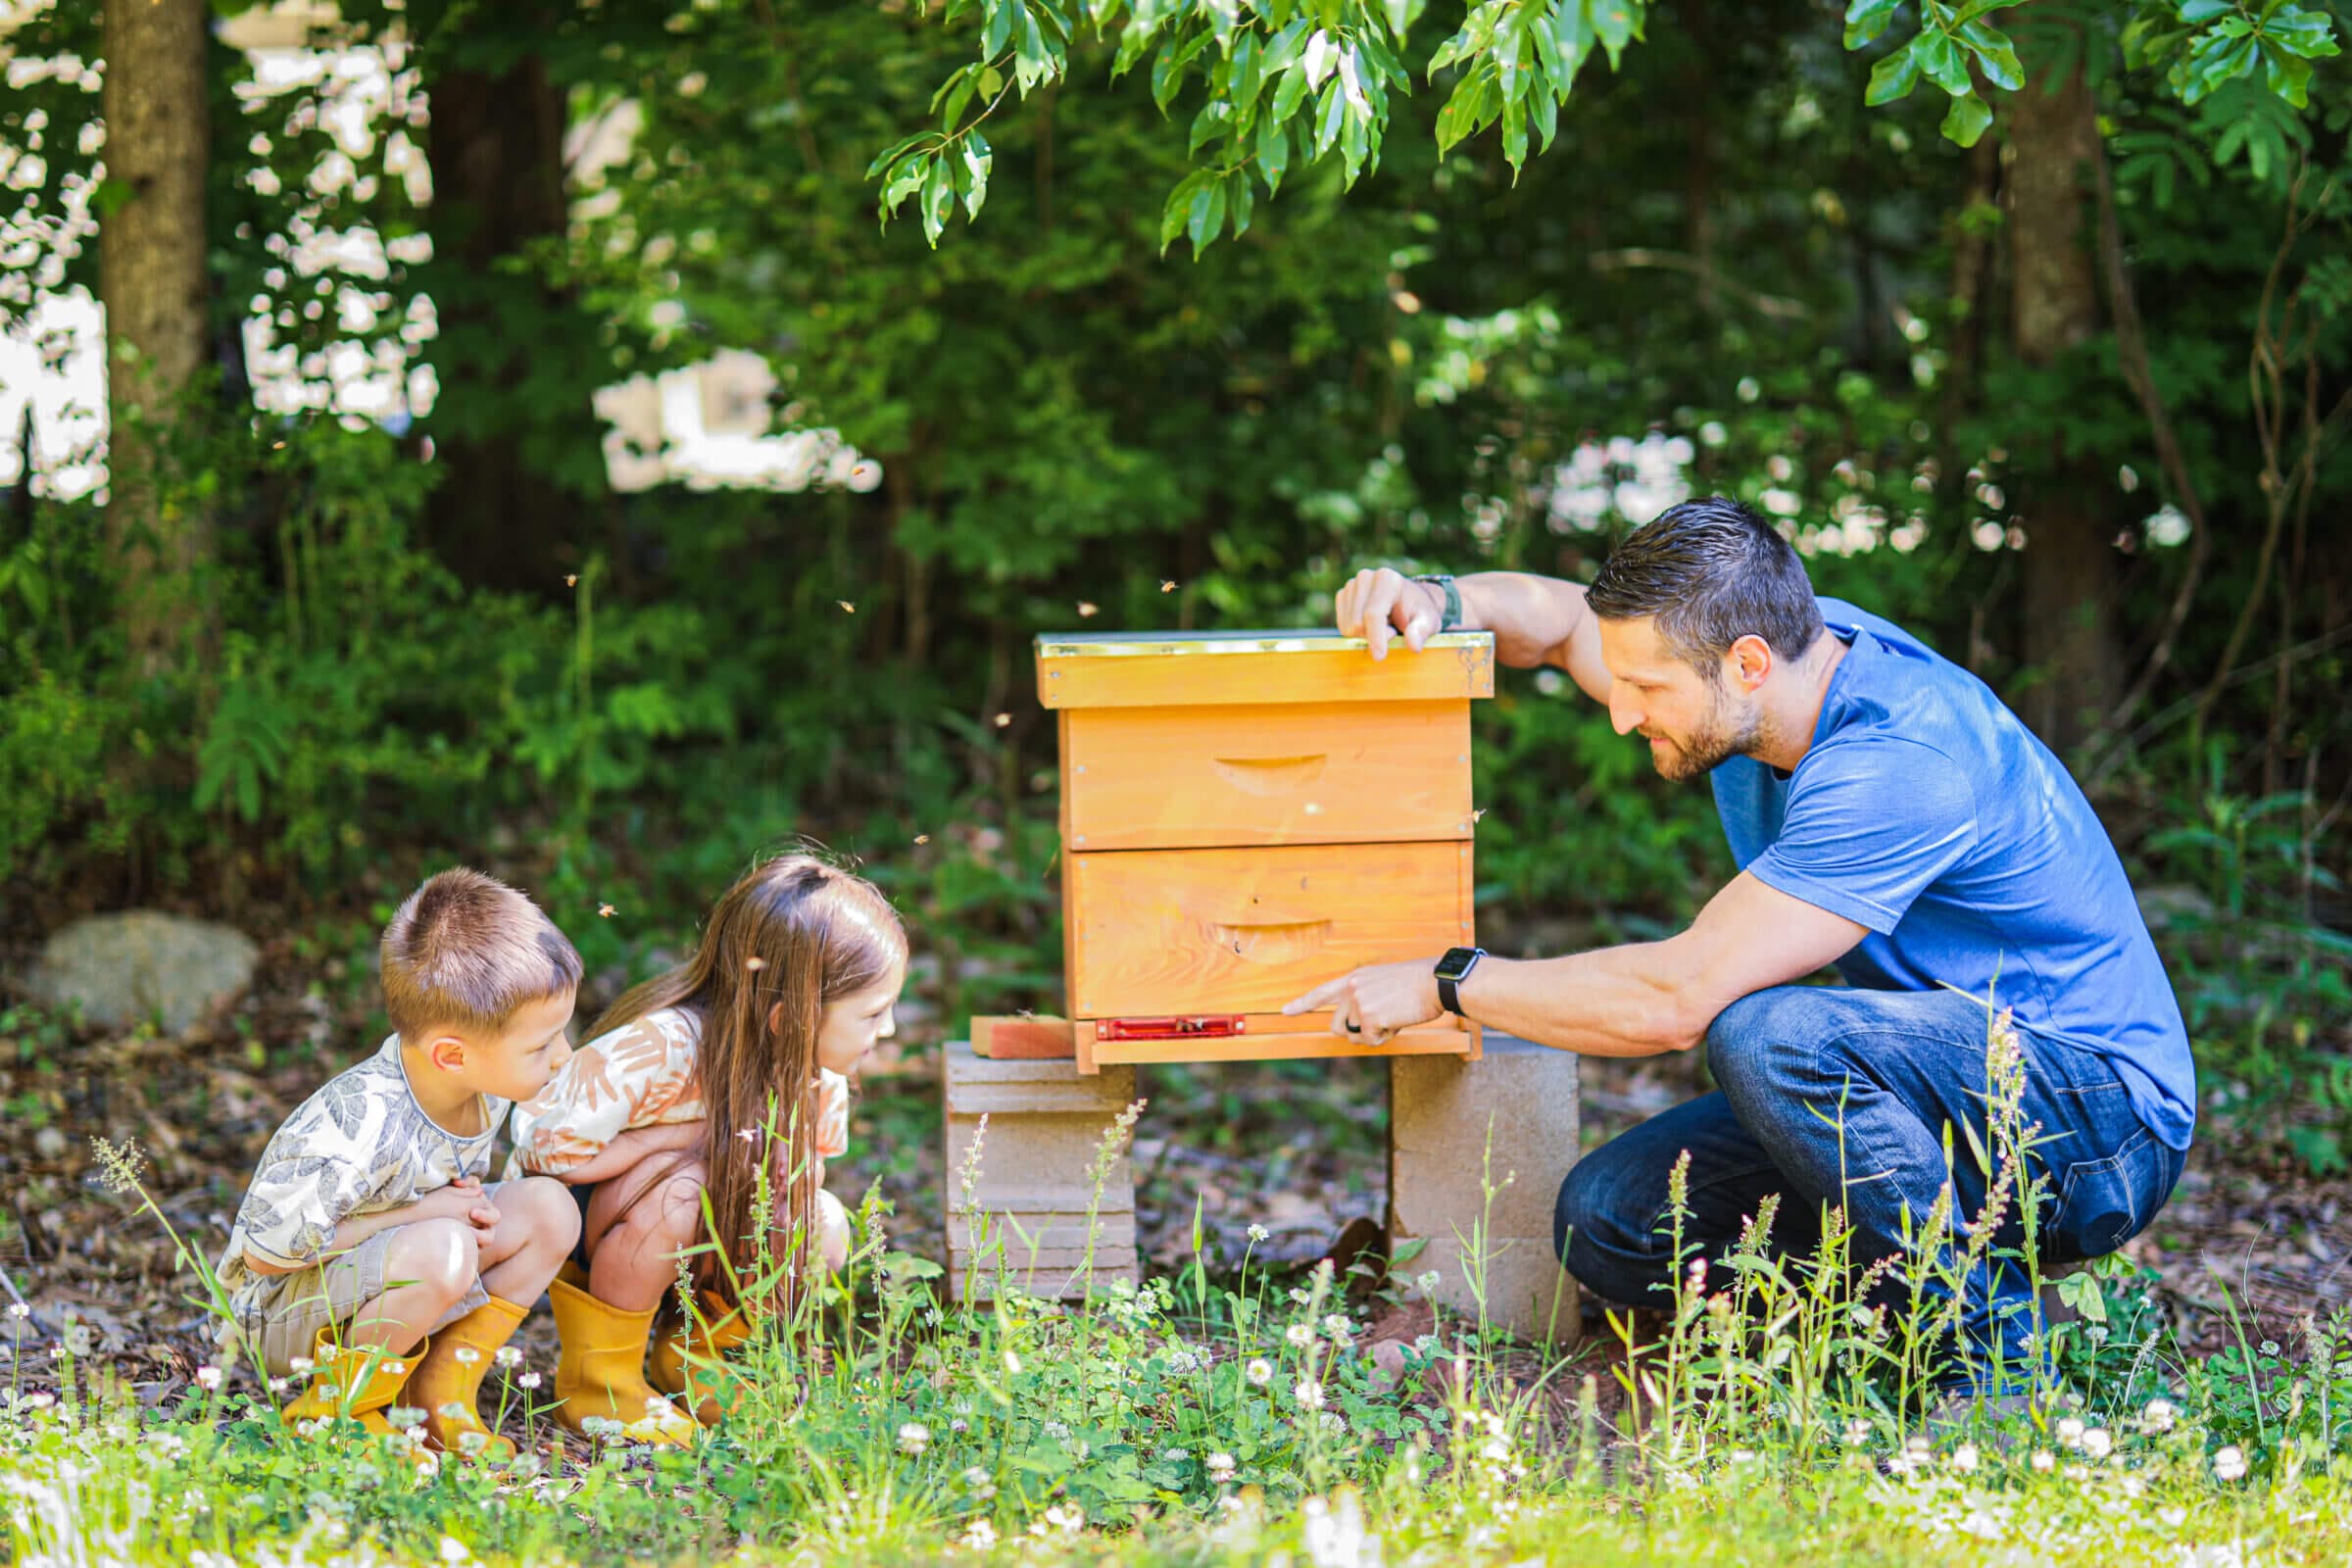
{"x": 447, "y": 1052}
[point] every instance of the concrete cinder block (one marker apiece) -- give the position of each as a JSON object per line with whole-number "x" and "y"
{"x": 1025, "y": 1219}
{"x": 1456, "y": 1128}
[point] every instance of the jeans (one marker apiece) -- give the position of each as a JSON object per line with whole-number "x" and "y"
{"x": 1832, "y": 1095}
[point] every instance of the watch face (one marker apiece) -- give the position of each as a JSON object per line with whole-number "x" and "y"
{"x": 1457, "y": 963}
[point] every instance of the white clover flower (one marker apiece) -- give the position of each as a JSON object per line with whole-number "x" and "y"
{"x": 1429, "y": 1279}
{"x": 2229, "y": 1463}
{"x": 1221, "y": 1466}
{"x": 1055, "y": 1429}
{"x": 1300, "y": 1335}
{"x": 2098, "y": 1442}
{"x": 1258, "y": 1232}
{"x": 960, "y": 1426}
{"x": 2158, "y": 1416}
{"x": 2044, "y": 1461}
{"x": 453, "y": 1411}
{"x": 1261, "y": 1371}
{"x": 454, "y": 1550}
{"x": 19, "y": 1310}
{"x": 1964, "y": 1459}
{"x": 209, "y": 1377}
{"x": 1175, "y": 1455}
{"x": 980, "y": 1535}
{"x": 405, "y": 1416}
{"x": 1308, "y": 1393}
{"x": 472, "y": 1442}
{"x": 1496, "y": 1451}
{"x": 1332, "y": 1422}
{"x": 1298, "y": 1297}
{"x": 913, "y": 1438}
{"x": 2270, "y": 1347}
{"x": 2070, "y": 1432}
{"x": 1857, "y": 1432}
{"x": 396, "y": 1369}
{"x": 527, "y": 1381}
{"x": 507, "y": 1356}
{"x": 977, "y": 1476}
{"x": 280, "y": 1385}
{"x": 300, "y": 1364}
{"x": 1067, "y": 1517}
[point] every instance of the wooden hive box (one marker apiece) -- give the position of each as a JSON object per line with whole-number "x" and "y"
{"x": 1246, "y": 814}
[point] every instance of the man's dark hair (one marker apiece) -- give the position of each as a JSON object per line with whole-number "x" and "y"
{"x": 1712, "y": 572}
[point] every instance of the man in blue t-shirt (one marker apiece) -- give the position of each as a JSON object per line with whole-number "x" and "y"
{"x": 1891, "y": 819}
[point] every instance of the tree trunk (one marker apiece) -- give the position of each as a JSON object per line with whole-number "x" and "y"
{"x": 151, "y": 251}
{"x": 499, "y": 517}
{"x": 2069, "y": 637}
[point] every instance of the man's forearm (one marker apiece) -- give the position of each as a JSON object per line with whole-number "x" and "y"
{"x": 1535, "y": 621}
{"x": 1614, "y": 1002}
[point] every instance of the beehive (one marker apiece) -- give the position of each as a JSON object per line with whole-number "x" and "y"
{"x": 1248, "y": 815}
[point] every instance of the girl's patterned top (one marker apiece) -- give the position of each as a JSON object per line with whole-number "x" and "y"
{"x": 642, "y": 1074}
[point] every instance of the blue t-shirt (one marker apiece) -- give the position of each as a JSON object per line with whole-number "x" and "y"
{"x": 1927, "y": 812}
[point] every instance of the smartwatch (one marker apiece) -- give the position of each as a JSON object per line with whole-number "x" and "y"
{"x": 1451, "y": 616}
{"x": 1452, "y": 971}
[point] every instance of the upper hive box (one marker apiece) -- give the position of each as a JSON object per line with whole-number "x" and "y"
{"x": 1246, "y": 814}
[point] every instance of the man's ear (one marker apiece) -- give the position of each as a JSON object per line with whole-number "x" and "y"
{"x": 1748, "y": 661}
{"x": 447, "y": 1052}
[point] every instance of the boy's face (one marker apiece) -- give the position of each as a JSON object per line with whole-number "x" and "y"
{"x": 518, "y": 1061}
{"x": 853, "y": 1025}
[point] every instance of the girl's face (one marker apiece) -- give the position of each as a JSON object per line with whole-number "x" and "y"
{"x": 853, "y": 1024}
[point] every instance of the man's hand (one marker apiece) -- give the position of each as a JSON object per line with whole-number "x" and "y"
{"x": 1371, "y": 1004}
{"x": 1377, "y": 604}
{"x": 463, "y": 1199}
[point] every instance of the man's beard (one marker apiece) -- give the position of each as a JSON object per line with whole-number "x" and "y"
{"x": 1725, "y": 733}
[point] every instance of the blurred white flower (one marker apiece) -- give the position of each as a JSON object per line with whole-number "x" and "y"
{"x": 1308, "y": 1393}
{"x": 2158, "y": 1416}
{"x": 1261, "y": 1371}
{"x": 1221, "y": 1467}
{"x": 209, "y": 1377}
{"x": 1300, "y": 1335}
{"x": 1258, "y": 1232}
{"x": 2229, "y": 1463}
{"x": 913, "y": 1438}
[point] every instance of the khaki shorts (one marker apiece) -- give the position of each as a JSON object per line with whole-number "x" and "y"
{"x": 284, "y": 1322}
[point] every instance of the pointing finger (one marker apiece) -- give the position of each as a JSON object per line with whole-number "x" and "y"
{"x": 1320, "y": 997}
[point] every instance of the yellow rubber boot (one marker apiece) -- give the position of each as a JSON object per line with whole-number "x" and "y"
{"x": 600, "y": 1373}
{"x": 448, "y": 1380}
{"x": 341, "y": 1382}
{"x": 685, "y": 1359}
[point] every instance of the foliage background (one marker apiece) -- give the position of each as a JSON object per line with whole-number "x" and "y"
{"x": 404, "y": 642}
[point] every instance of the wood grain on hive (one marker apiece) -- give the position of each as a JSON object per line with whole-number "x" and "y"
{"x": 1246, "y": 814}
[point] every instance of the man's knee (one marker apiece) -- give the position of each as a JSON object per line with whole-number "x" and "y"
{"x": 1763, "y": 1037}
{"x": 1598, "y": 1213}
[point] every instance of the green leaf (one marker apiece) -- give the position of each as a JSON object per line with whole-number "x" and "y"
{"x": 1242, "y": 197}
{"x": 1208, "y": 214}
{"x": 1514, "y": 135}
{"x": 1289, "y": 94}
{"x": 1942, "y": 60}
{"x": 1545, "y": 106}
{"x": 978, "y": 160}
{"x": 1615, "y": 22}
{"x": 1967, "y": 120}
{"x": 1242, "y": 74}
{"x": 890, "y": 154}
{"x": 1865, "y": 19}
{"x": 1328, "y": 116}
{"x": 1995, "y": 55}
{"x": 1894, "y": 76}
{"x": 1172, "y": 216}
{"x": 1572, "y": 35}
{"x": 999, "y": 31}
{"x": 939, "y": 200}
{"x": 2197, "y": 11}
{"x": 1273, "y": 153}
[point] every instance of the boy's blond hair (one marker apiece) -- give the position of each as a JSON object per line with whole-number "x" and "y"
{"x": 467, "y": 951}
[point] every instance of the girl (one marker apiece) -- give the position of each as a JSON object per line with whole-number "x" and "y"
{"x": 672, "y": 1102}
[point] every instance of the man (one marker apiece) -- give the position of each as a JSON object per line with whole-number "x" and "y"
{"x": 1891, "y": 818}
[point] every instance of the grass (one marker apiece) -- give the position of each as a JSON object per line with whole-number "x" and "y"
{"x": 1216, "y": 1417}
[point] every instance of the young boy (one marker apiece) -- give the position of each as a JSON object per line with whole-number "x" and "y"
{"x": 367, "y": 1226}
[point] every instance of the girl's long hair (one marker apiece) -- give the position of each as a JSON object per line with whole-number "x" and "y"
{"x": 791, "y": 936}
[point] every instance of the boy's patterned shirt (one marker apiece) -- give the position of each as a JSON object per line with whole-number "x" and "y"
{"x": 360, "y": 1144}
{"x": 642, "y": 1074}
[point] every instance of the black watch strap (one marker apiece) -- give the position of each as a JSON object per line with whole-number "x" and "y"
{"x": 1449, "y": 994}
{"x": 1453, "y": 616}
